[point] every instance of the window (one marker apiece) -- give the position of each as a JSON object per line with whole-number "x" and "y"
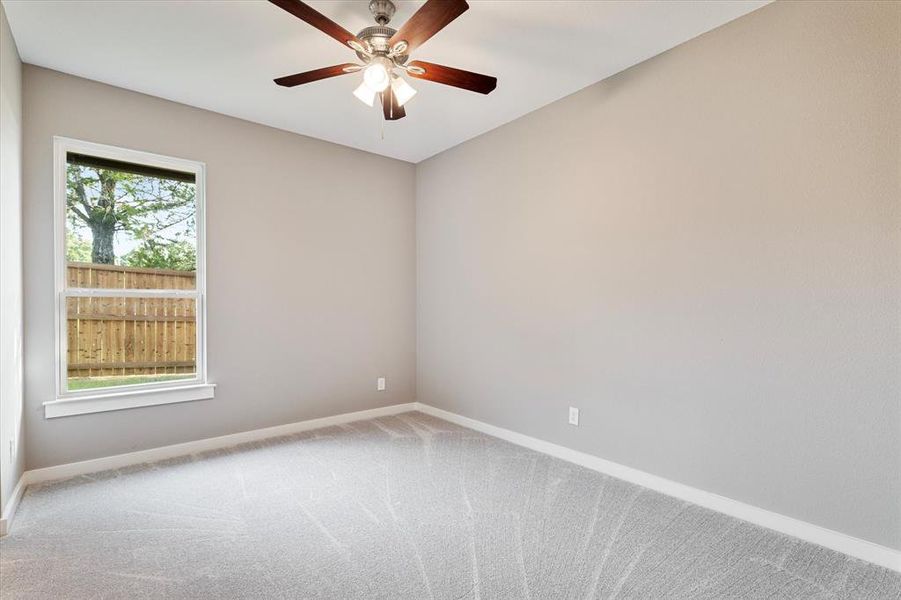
{"x": 129, "y": 279}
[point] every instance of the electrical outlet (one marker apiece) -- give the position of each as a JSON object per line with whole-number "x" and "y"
{"x": 381, "y": 384}
{"x": 573, "y": 416}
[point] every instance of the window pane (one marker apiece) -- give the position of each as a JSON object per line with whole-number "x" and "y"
{"x": 129, "y": 341}
{"x": 129, "y": 226}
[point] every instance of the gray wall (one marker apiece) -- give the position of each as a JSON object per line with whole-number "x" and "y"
{"x": 702, "y": 253}
{"x": 12, "y": 456}
{"x": 311, "y": 277}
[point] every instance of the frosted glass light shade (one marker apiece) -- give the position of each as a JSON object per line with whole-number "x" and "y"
{"x": 403, "y": 91}
{"x": 365, "y": 94}
{"x": 376, "y": 76}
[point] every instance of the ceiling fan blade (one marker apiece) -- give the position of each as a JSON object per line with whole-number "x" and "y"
{"x": 318, "y": 20}
{"x": 317, "y": 74}
{"x": 467, "y": 80}
{"x": 432, "y": 17}
{"x": 392, "y": 110}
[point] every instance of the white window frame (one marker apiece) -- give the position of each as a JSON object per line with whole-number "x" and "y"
{"x": 148, "y": 394}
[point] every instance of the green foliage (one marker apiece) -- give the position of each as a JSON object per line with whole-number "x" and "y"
{"x": 179, "y": 255}
{"x": 77, "y": 248}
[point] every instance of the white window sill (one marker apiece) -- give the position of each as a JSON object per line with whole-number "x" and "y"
{"x": 81, "y": 405}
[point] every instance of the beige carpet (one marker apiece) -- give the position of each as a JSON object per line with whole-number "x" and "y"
{"x": 406, "y": 507}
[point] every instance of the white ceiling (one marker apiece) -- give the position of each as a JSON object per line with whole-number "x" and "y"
{"x": 222, "y": 55}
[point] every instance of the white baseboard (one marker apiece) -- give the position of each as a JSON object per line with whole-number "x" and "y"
{"x": 164, "y": 452}
{"x": 828, "y": 538}
{"x": 11, "y": 505}
{"x": 840, "y": 542}
{"x": 224, "y": 441}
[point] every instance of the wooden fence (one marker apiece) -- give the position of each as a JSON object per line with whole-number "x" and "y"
{"x": 109, "y": 336}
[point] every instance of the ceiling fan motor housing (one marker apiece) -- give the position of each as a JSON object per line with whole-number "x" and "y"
{"x": 376, "y": 37}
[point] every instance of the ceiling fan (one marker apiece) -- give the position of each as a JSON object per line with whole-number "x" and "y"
{"x": 383, "y": 50}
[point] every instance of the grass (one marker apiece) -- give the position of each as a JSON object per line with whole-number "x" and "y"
{"x": 89, "y": 383}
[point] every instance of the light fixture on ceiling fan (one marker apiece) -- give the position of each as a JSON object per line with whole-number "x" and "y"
{"x": 383, "y": 51}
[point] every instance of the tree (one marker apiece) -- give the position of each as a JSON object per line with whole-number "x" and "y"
{"x": 108, "y": 201}
{"x": 179, "y": 255}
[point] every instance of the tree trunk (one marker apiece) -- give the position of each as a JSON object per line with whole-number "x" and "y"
{"x": 103, "y": 222}
{"x": 102, "y": 250}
